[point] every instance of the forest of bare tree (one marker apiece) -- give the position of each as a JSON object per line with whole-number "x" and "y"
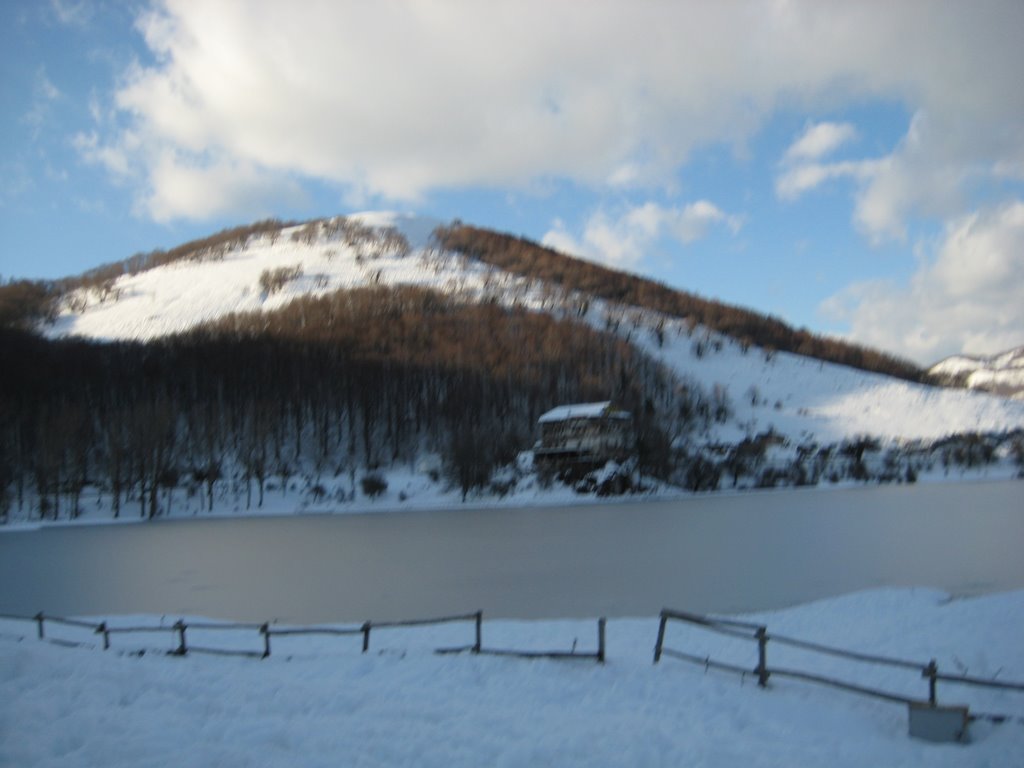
{"x": 330, "y": 386}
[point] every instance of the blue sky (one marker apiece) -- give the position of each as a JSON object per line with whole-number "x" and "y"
{"x": 857, "y": 169}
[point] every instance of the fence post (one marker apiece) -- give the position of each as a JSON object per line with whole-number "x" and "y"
{"x": 366, "y": 637}
{"x": 102, "y": 629}
{"x": 661, "y": 637}
{"x": 930, "y": 672}
{"x": 265, "y": 631}
{"x": 479, "y": 631}
{"x": 600, "y": 640}
{"x": 762, "y": 656}
{"x": 179, "y": 627}
{"x": 39, "y": 620}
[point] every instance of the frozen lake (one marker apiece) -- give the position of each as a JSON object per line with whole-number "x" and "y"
{"x": 717, "y": 553}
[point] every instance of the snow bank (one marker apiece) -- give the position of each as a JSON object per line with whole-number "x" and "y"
{"x": 325, "y": 704}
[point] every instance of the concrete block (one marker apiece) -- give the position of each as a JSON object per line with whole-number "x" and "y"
{"x": 940, "y": 724}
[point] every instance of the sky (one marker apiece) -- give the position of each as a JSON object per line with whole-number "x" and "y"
{"x": 853, "y": 168}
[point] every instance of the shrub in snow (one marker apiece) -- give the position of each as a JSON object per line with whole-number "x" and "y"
{"x": 273, "y": 280}
{"x": 703, "y": 475}
{"x": 502, "y": 486}
{"x": 373, "y": 485}
{"x": 431, "y": 465}
{"x": 613, "y": 479}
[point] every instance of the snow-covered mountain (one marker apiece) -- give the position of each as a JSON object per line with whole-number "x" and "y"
{"x": 800, "y": 398}
{"x": 1001, "y": 374}
{"x": 180, "y": 295}
{"x": 379, "y": 360}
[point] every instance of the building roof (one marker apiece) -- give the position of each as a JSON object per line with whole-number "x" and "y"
{"x": 582, "y": 411}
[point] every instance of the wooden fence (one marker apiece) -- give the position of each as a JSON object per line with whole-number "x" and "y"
{"x": 180, "y": 629}
{"x": 747, "y": 631}
{"x": 759, "y": 633}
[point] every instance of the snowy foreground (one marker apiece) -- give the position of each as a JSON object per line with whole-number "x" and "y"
{"x": 320, "y": 702}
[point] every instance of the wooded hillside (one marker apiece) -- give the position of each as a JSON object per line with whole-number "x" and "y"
{"x": 332, "y": 386}
{"x": 524, "y": 257}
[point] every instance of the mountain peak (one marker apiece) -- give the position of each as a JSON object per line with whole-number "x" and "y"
{"x": 417, "y": 230}
{"x": 1001, "y": 373}
{"x": 250, "y": 269}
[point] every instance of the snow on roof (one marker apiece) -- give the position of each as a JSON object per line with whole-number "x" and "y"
{"x": 582, "y": 411}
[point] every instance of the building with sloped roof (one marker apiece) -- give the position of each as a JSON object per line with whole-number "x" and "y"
{"x": 584, "y": 433}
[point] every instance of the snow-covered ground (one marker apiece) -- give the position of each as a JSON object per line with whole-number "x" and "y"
{"x": 320, "y": 702}
{"x": 408, "y": 490}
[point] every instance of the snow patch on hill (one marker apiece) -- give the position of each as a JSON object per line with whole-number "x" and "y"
{"x": 176, "y": 297}
{"x": 1002, "y": 373}
{"x": 807, "y": 399}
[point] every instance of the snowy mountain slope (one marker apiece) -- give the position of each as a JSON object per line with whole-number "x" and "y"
{"x": 801, "y": 398}
{"x": 178, "y": 296}
{"x": 806, "y": 399}
{"x": 1002, "y": 373}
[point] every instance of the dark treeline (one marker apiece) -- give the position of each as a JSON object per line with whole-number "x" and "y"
{"x": 524, "y": 257}
{"x": 26, "y": 304}
{"x": 325, "y": 387}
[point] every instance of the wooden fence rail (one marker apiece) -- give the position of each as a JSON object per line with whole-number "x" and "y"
{"x": 268, "y": 630}
{"x": 853, "y": 655}
{"x": 744, "y": 630}
{"x": 979, "y": 681}
{"x": 597, "y": 655}
{"x": 810, "y": 677}
{"x": 181, "y": 628}
{"x": 729, "y": 627}
{"x": 760, "y": 634}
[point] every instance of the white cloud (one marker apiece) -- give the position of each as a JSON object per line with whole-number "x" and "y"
{"x": 397, "y": 99}
{"x": 819, "y": 140}
{"x": 117, "y": 159}
{"x": 15, "y": 181}
{"x": 210, "y": 190}
{"x": 611, "y": 242}
{"x": 692, "y": 222}
{"x": 802, "y": 178}
{"x": 965, "y": 299}
{"x": 925, "y": 175}
{"x": 44, "y": 94}
{"x": 69, "y": 13}
{"x": 45, "y": 89}
{"x": 801, "y": 166}
{"x": 624, "y": 241}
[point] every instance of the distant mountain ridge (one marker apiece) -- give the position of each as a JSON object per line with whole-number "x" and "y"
{"x": 1001, "y": 374}
{"x": 28, "y": 303}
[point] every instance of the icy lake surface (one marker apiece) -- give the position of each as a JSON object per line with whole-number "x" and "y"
{"x": 717, "y": 553}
